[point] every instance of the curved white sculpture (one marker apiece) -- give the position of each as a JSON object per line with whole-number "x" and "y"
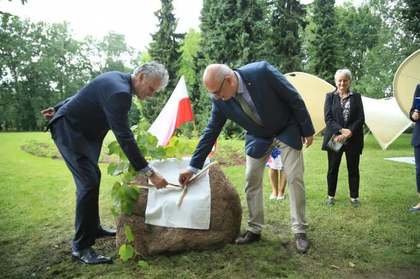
{"x": 384, "y": 119}
{"x": 405, "y": 80}
{"x": 313, "y": 90}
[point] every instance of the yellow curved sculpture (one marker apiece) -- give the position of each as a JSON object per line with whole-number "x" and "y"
{"x": 405, "y": 80}
{"x": 313, "y": 90}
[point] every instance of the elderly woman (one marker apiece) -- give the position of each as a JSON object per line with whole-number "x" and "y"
{"x": 344, "y": 119}
{"x": 415, "y": 117}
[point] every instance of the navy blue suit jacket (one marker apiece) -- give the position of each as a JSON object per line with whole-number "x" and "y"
{"x": 101, "y": 105}
{"x": 281, "y": 108}
{"x": 415, "y": 141}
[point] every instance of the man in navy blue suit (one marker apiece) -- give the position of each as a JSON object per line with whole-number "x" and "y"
{"x": 260, "y": 99}
{"x": 78, "y": 126}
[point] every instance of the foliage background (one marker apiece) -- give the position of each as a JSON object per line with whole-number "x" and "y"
{"x": 41, "y": 64}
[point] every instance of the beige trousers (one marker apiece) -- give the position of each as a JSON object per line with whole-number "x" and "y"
{"x": 294, "y": 169}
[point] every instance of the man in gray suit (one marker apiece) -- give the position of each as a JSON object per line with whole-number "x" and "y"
{"x": 78, "y": 126}
{"x": 260, "y": 99}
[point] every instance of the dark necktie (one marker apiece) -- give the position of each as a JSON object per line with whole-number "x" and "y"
{"x": 247, "y": 109}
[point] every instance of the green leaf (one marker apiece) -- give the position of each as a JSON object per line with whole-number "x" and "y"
{"x": 115, "y": 191}
{"x": 133, "y": 193}
{"x": 111, "y": 168}
{"x": 128, "y": 233}
{"x": 127, "y": 207}
{"x": 151, "y": 140}
{"x": 126, "y": 252}
{"x": 129, "y": 176}
{"x": 115, "y": 211}
{"x": 143, "y": 264}
{"x": 118, "y": 168}
{"x": 114, "y": 148}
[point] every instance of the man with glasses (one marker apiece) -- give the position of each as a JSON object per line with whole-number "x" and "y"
{"x": 79, "y": 125}
{"x": 260, "y": 99}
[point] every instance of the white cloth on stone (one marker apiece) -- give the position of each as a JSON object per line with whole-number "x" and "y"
{"x": 162, "y": 209}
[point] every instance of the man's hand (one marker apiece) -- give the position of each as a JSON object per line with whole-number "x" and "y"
{"x": 308, "y": 140}
{"x": 158, "y": 180}
{"x": 48, "y": 113}
{"x": 415, "y": 116}
{"x": 184, "y": 177}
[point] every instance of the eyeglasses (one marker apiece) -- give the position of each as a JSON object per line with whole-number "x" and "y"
{"x": 217, "y": 92}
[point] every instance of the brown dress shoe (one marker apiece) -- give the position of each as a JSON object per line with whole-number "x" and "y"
{"x": 248, "y": 237}
{"x": 302, "y": 243}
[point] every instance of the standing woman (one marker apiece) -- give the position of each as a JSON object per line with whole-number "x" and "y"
{"x": 344, "y": 119}
{"x": 415, "y": 116}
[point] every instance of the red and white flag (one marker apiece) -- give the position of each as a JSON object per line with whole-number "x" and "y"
{"x": 176, "y": 112}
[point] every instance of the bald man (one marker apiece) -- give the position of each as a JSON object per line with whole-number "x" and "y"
{"x": 260, "y": 99}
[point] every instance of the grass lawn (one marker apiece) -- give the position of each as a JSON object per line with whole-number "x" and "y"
{"x": 378, "y": 240}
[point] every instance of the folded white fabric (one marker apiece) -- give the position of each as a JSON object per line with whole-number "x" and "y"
{"x": 161, "y": 209}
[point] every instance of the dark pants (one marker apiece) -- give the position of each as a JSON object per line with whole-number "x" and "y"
{"x": 417, "y": 159}
{"x": 334, "y": 160}
{"x": 83, "y": 164}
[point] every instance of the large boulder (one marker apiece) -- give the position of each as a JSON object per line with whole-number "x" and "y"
{"x": 225, "y": 222}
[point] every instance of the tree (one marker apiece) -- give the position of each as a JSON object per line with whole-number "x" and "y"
{"x": 218, "y": 34}
{"x": 114, "y": 55}
{"x": 323, "y": 44}
{"x": 251, "y": 32}
{"x": 286, "y": 21}
{"x": 409, "y": 14}
{"x": 116, "y": 52}
{"x": 234, "y": 32}
{"x": 40, "y": 64}
{"x": 189, "y": 49}
{"x": 392, "y": 46}
{"x": 164, "y": 48}
{"x": 359, "y": 32}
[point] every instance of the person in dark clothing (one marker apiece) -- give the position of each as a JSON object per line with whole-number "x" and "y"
{"x": 344, "y": 119}
{"x": 78, "y": 126}
{"x": 415, "y": 117}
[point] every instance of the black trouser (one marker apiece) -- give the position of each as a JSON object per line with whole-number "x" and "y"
{"x": 334, "y": 160}
{"x": 417, "y": 160}
{"x": 86, "y": 175}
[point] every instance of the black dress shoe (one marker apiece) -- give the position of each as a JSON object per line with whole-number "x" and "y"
{"x": 414, "y": 209}
{"x": 248, "y": 237}
{"x": 105, "y": 232}
{"x": 89, "y": 256}
{"x": 302, "y": 243}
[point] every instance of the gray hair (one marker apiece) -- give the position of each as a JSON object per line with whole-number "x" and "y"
{"x": 155, "y": 70}
{"x": 345, "y": 72}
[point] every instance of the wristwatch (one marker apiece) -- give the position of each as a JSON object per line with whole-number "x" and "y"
{"x": 148, "y": 172}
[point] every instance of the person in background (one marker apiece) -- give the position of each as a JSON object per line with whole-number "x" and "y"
{"x": 415, "y": 141}
{"x": 344, "y": 119}
{"x": 78, "y": 127}
{"x": 277, "y": 176}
